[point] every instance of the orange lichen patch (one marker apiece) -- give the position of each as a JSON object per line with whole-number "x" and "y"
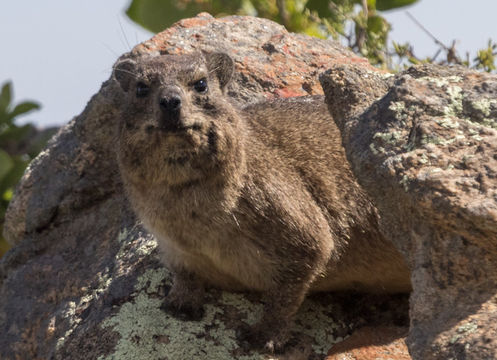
{"x": 283, "y": 64}
{"x": 359, "y": 60}
{"x": 200, "y": 20}
{"x": 372, "y": 343}
{"x": 289, "y": 92}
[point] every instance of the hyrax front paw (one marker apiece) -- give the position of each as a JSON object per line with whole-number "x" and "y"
{"x": 183, "y": 305}
{"x": 262, "y": 336}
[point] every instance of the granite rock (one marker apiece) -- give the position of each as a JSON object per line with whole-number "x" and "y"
{"x": 372, "y": 343}
{"x": 423, "y": 144}
{"x": 83, "y": 280}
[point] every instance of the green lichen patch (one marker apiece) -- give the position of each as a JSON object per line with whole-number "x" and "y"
{"x": 463, "y": 330}
{"x": 441, "y": 81}
{"x": 405, "y": 182}
{"x": 152, "y": 279}
{"x": 147, "y": 332}
{"x": 484, "y": 106}
{"x": 399, "y": 110}
{"x": 390, "y": 138}
{"x": 456, "y": 96}
{"x": 484, "y": 109}
{"x": 253, "y": 312}
{"x": 424, "y": 159}
{"x": 467, "y": 328}
{"x": 375, "y": 150}
{"x": 314, "y": 320}
{"x": 382, "y": 75}
{"x": 448, "y": 122}
{"x": 384, "y": 141}
{"x": 440, "y": 140}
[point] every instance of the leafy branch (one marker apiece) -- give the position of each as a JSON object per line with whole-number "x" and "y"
{"x": 19, "y": 144}
{"x": 484, "y": 59}
{"x": 357, "y": 23}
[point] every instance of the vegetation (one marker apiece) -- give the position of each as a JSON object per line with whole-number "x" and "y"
{"x": 356, "y": 23}
{"x": 18, "y": 146}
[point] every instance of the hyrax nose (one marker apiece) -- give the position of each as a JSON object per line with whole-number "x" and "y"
{"x": 171, "y": 104}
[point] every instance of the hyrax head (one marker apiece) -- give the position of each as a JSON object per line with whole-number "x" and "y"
{"x": 176, "y": 124}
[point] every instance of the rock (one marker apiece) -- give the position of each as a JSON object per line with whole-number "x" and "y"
{"x": 424, "y": 146}
{"x": 372, "y": 343}
{"x": 83, "y": 280}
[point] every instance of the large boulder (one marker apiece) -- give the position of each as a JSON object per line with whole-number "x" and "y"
{"x": 83, "y": 280}
{"x": 424, "y": 146}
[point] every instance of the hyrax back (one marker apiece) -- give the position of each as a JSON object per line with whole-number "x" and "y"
{"x": 260, "y": 198}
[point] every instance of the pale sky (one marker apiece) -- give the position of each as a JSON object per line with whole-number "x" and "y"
{"x": 58, "y": 52}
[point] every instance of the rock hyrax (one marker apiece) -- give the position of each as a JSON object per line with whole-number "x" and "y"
{"x": 259, "y": 198}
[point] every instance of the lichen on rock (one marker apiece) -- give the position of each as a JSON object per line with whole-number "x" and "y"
{"x": 423, "y": 146}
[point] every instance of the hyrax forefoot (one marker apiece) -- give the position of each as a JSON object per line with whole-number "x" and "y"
{"x": 260, "y": 198}
{"x": 185, "y": 297}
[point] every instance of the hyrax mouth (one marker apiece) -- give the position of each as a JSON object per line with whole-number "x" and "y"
{"x": 180, "y": 160}
{"x": 177, "y": 145}
{"x": 172, "y": 129}
{"x": 181, "y": 155}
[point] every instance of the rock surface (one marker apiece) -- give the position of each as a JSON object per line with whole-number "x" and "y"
{"x": 83, "y": 280}
{"x": 424, "y": 146}
{"x": 372, "y": 343}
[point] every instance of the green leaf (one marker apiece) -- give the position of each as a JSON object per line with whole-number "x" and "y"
{"x": 372, "y": 4}
{"x": 23, "y": 108}
{"x": 7, "y": 195}
{"x": 314, "y": 30}
{"x": 376, "y": 24}
{"x": 157, "y": 15}
{"x": 6, "y": 165}
{"x": 5, "y": 97}
{"x": 383, "y": 5}
{"x": 4, "y": 245}
{"x": 15, "y": 134}
{"x": 10, "y": 180}
{"x": 319, "y": 6}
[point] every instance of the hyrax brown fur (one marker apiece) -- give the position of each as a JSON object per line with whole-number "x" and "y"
{"x": 260, "y": 198}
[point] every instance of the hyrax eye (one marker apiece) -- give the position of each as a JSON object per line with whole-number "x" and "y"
{"x": 142, "y": 90}
{"x": 201, "y": 85}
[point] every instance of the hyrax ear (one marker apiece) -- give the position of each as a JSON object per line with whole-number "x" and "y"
{"x": 222, "y": 65}
{"x": 124, "y": 72}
